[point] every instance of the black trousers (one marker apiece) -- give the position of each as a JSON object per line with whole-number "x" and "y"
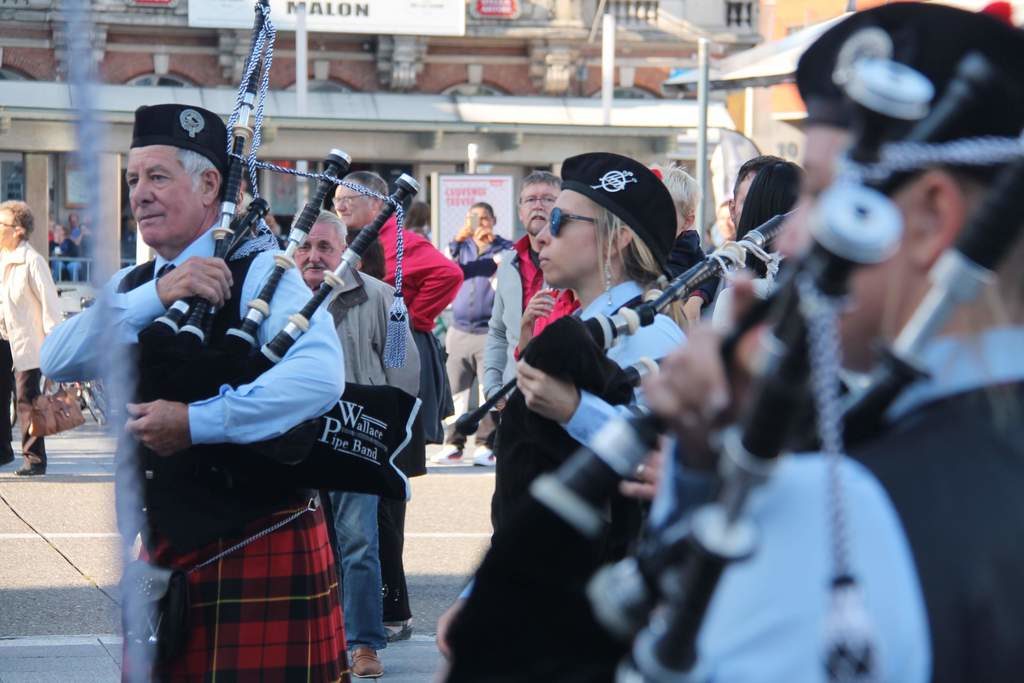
{"x": 25, "y": 385}
{"x": 391, "y": 529}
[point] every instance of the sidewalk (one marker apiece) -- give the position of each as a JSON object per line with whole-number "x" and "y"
{"x": 97, "y": 659}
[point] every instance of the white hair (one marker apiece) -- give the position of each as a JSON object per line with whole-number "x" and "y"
{"x": 195, "y": 165}
{"x": 335, "y": 221}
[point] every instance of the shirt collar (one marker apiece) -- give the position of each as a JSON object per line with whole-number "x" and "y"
{"x": 201, "y": 246}
{"x": 612, "y": 300}
{"x": 960, "y": 364}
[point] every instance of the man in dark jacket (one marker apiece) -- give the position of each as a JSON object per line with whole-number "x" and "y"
{"x": 476, "y": 250}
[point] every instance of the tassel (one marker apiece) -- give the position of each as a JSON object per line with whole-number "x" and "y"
{"x": 398, "y": 323}
{"x": 849, "y": 655}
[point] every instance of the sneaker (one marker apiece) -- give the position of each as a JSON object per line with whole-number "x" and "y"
{"x": 366, "y": 663}
{"x": 398, "y": 630}
{"x": 449, "y": 454}
{"x": 31, "y": 471}
{"x": 483, "y": 457}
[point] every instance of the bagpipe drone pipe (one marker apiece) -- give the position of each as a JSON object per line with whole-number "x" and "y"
{"x": 541, "y": 551}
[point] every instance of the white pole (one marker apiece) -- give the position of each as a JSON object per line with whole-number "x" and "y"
{"x": 607, "y": 66}
{"x": 702, "y": 130}
{"x": 301, "y": 88}
{"x": 472, "y": 154}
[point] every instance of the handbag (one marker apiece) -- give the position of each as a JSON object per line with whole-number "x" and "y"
{"x": 51, "y": 413}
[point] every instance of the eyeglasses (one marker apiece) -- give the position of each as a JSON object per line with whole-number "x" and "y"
{"x": 560, "y": 218}
{"x": 345, "y": 201}
{"x": 546, "y": 200}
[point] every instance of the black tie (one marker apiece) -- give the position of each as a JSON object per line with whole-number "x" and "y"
{"x": 164, "y": 269}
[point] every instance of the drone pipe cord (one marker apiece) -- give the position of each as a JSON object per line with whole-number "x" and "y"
{"x": 336, "y": 164}
{"x": 298, "y": 323}
{"x": 241, "y": 136}
{"x": 606, "y": 329}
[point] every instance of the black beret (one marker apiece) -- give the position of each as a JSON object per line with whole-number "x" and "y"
{"x": 629, "y": 190}
{"x": 929, "y": 38}
{"x": 183, "y": 126}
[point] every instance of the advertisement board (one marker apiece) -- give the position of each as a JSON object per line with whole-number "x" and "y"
{"x": 388, "y": 17}
{"x": 456, "y": 193}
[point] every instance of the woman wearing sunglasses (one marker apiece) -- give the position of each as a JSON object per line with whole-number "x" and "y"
{"x": 609, "y": 239}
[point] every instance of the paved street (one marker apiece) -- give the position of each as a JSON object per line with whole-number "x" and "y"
{"x": 60, "y": 562}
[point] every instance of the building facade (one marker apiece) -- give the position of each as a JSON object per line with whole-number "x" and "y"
{"x": 522, "y": 84}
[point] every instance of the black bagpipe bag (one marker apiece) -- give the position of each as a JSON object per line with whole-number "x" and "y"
{"x": 528, "y": 618}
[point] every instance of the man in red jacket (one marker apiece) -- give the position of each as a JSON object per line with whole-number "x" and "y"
{"x": 430, "y": 282}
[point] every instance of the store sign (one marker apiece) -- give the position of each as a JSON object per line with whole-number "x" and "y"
{"x": 456, "y": 193}
{"x": 388, "y": 17}
{"x": 495, "y": 9}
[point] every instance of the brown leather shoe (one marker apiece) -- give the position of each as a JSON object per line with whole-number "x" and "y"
{"x": 366, "y": 664}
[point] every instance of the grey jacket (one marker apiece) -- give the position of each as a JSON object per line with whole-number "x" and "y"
{"x": 360, "y": 313}
{"x": 503, "y": 328}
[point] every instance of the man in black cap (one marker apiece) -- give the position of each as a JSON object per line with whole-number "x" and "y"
{"x": 259, "y": 597}
{"x": 951, "y": 459}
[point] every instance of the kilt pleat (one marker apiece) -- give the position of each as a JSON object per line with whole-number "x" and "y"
{"x": 269, "y": 611}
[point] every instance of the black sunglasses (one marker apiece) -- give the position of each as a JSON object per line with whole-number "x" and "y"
{"x": 560, "y": 218}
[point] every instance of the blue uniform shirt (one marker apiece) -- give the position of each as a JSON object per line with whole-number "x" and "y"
{"x": 297, "y": 388}
{"x": 653, "y": 341}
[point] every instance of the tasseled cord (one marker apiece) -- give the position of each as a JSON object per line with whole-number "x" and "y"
{"x": 398, "y": 316}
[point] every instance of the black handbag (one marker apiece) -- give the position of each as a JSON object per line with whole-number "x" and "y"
{"x": 155, "y": 609}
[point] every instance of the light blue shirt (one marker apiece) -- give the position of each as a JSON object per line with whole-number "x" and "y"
{"x": 766, "y": 621}
{"x": 653, "y": 341}
{"x": 306, "y": 383}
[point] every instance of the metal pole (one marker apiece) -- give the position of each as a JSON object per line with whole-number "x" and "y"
{"x": 702, "y": 130}
{"x": 301, "y": 89}
{"x": 607, "y": 66}
{"x": 472, "y": 154}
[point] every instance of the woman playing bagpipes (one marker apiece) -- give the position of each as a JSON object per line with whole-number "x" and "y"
{"x": 609, "y": 238}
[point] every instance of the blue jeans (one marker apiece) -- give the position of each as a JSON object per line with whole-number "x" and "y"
{"x": 355, "y": 524}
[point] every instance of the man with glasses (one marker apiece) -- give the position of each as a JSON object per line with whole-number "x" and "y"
{"x": 518, "y": 279}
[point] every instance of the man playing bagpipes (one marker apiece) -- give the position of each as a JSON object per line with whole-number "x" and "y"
{"x": 266, "y": 603}
{"x": 933, "y": 518}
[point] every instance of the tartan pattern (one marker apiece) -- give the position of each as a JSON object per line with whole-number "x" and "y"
{"x": 269, "y": 611}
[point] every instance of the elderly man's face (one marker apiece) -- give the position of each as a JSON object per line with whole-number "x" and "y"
{"x": 355, "y": 209}
{"x": 535, "y": 203}
{"x": 321, "y": 251}
{"x": 170, "y": 210}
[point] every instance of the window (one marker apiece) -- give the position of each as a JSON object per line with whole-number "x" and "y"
{"x": 165, "y": 80}
{"x": 471, "y": 89}
{"x": 629, "y": 94}
{"x": 11, "y": 75}
{"x": 316, "y": 85}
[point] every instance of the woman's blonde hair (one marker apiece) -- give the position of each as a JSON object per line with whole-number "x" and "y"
{"x": 685, "y": 192}
{"x": 638, "y": 262}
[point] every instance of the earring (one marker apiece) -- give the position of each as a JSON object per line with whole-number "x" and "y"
{"x": 608, "y": 279}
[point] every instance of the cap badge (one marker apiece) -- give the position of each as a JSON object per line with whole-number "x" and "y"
{"x": 192, "y": 121}
{"x": 614, "y": 181}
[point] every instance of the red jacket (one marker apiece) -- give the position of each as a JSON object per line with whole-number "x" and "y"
{"x": 430, "y": 280}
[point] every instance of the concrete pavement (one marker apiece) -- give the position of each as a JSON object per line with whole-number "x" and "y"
{"x": 60, "y": 561}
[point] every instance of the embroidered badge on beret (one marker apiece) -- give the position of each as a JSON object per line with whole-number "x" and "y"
{"x": 629, "y": 190}
{"x": 192, "y": 122}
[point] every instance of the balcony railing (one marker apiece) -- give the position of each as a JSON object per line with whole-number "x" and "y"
{"x": 740, "y": 14}
{"x": 634, "y": 11}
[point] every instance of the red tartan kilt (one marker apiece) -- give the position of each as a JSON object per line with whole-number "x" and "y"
{"x": 269, "y": 611}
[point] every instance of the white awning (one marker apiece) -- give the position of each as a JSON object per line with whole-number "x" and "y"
{"x": 767, "y": 64}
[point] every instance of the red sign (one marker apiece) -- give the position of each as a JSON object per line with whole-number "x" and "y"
{"x": 496, "y": 9}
